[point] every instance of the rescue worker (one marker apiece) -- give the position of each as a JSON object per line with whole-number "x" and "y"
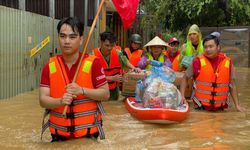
{"x": 83, "y": 97}
{"x": 173, "y": 52}
{"x": 113, "y": 61}
{"x": 191, "y": 48}
{"x": 134, "y": 51}
{"x": 154, "y": 49}
{"x": 214, "y": 78}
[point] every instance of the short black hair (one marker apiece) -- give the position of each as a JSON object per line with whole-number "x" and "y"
{"x": 110, "y": 36}
{"x": 211, "y": 37}
{"x": 74, "y": 23}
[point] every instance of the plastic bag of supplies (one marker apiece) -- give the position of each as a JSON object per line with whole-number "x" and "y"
{"x": 161, "y": 94}
{"x": 158, "y": 89}
{"x": 163, "y": 72}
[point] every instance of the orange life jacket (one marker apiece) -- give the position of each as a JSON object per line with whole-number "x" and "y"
{"x": 134, "y": 57}
{"x": 84, "y": 115}
{"x": 175, "y": 63}
{"x": 211, "y": 88}
{"x": 111, "y": 69}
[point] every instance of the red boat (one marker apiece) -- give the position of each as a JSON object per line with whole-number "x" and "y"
{"x": 156, "y": 115}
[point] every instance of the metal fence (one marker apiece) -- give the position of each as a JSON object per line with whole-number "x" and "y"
{"x": 234, "y": 43}
{"x": 20, "y": 31}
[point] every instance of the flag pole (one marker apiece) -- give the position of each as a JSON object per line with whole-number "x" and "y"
{"x": 85, "y": 47}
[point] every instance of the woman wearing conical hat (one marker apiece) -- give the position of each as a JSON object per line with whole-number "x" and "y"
{"x": 154, "y": 49}
{"x": 192, "y": 47}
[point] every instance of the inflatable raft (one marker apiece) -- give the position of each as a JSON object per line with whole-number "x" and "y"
{"x": 156, "y": 115}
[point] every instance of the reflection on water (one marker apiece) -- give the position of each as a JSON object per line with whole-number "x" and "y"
{"x": 21, "y": 118}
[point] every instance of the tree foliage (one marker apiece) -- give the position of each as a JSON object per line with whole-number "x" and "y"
{"x": 177, "y": 15}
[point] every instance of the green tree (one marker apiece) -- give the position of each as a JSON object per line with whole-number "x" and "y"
{"x": 169, "y": 15}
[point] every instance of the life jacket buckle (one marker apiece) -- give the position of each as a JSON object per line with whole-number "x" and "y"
{"x": 214, "y": 84}
{"x": 70, "y": 115}
{"x": 70, "y": 128}
{"x": 213, "y": 93}
{"x": 212, "y": 102}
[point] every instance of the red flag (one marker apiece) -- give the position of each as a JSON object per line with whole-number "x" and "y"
{"x": 127, "y": 10}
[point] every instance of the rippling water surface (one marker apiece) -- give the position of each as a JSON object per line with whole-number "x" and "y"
{"x": 21, "y": 118}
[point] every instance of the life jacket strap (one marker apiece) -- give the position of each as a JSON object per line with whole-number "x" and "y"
{"x": 197, "y": 101}
{"x": 76, "y": 102}
{"x": 80, "y": 114}
{"x": 75, "y": 128}
{"x": 100, "y": 108}
{"x": 213, "y": 84}
{"x": 211, "y": 101}
{"x": 73, "y": 115}
{"x": 212, "y": 93}
{"x": 44, "y": 125}
{"x": 82, "y": 101}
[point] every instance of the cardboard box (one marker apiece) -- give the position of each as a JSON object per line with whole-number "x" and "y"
{"x": 129, "y": 82}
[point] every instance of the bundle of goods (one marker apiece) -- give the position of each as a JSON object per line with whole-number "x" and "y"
{"x": 160, "y": 94}
{"x": 158, "y": 90}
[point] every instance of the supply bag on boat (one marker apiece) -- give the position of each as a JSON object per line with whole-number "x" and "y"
{"x": 158, "y": 71}
{"x": 163, "y": 72}
{"x": 161, "y": 94}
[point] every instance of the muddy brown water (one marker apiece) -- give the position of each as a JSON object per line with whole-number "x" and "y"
{"x": 21, "y": 118}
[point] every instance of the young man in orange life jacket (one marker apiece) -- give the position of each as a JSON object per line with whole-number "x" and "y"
{"x": 214, "y": 78}
{"x": 134, "y": 51}
{"x": 173, "y": 52}
{"x": 83, "y": 97}
{"x": 113, "y": 61}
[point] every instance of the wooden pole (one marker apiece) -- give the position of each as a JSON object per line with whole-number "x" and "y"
{"x": 85, "y": 48}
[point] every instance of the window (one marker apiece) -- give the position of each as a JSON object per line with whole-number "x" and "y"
{"x": 39, "y": 6}
{"x": 9, "y": 3}
{"x": 79, "y": 9}
{"x": 62, "y": 9}
{"x": 91, "y": 11}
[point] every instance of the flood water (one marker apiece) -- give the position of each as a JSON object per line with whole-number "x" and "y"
{"x": 21, "y": 118}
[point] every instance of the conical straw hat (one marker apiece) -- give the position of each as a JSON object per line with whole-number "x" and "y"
{"x": 156, "y": 41}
